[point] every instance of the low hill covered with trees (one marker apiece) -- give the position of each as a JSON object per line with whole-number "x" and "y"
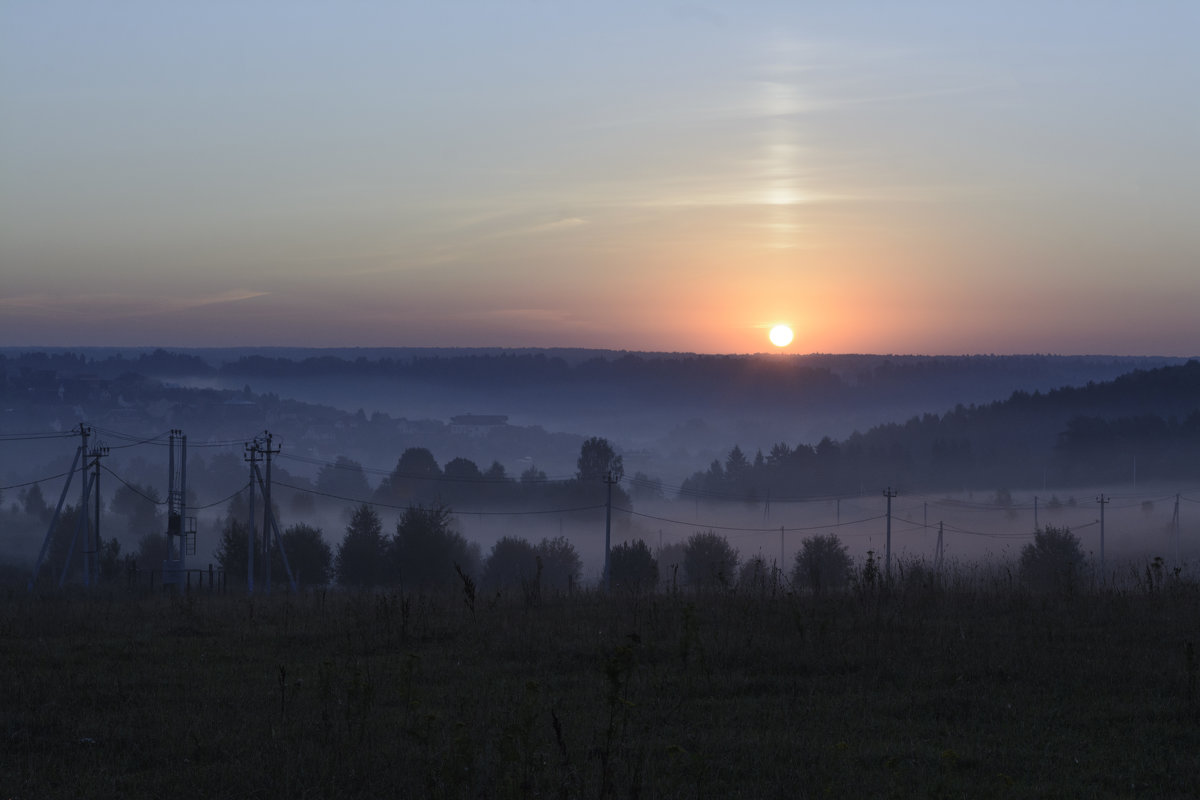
{"x": 1144, "y": 426}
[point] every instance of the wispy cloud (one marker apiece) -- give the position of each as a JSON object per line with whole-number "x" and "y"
{"x": 557, "y": 225}
{"x": 110, "y": 305}
{"x": 532, "y": 315}
{"x": 231, "y": 296}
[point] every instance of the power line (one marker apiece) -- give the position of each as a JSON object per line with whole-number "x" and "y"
{"x": 134, "y": 488}
{"x": 395, "y": 507}
{"x": 220, "y": 502}
{"x": 482, "y": 479}
{"x": 30, "y": 437}
{"x": 39, "y": 480}
{"x": 953, "y": 529}
{"x": 775, "y": 529}
{"x": 133, "y": 441}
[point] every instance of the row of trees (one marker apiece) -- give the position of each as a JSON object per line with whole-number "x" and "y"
{"x": 418, "y": 479}
{"x": 1150, "y": 416}
{"x": 424, "y": 552}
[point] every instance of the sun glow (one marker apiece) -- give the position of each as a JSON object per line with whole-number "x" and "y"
{"x": 781, "y": 335}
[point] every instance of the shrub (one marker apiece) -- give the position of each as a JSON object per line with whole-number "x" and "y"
{"x": 511, "y": 562}
{"x": 670, "y": 561}
{"x": 709, "y": 561}
{"x": 426, "y": 547}
{"x": 822, "y": 563}
{"x": 152, "y": 551}
{"x": 1053, "y": 561}
{"x": 633, "y": 567}
{"x": 755, "y": 575}
{"x": 561, "y": 564}
{"x": 361, "y": 553}
{"x": 308, "y": 554}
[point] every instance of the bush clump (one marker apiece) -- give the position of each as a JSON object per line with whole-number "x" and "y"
{"x": 426, "y": 548}
{"x": 1053, "y": 561}
{"x": 632, "y": 567}
{"x": 823, "y": 563}
{"x": 512, "y": 562}
{"x": 756, "y": 575}
{"x": 709, "y": 561}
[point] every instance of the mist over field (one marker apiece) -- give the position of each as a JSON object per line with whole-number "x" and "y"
{"x": 988, "y": 448}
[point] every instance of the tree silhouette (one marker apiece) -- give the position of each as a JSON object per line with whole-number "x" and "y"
{"x": 414, "y": 478}
{"x": 633, "y": 567}
{"x": 755, "y": 575}
{"x": 709, "y": 561}
{"x": 561, "y": 564}
{"x": 344, "y": 478}
{"x": 231, "y": 552}
{"x": 823, "y": 563}
{"x": 139, "y": 506}
{"x": 109, "y": 559}
{"x": 152, "y": 551}
{"x": 360, "y": 559}
{"x": 426, "y": 548}
{"x": 1053, "y": 561}
{"x": 463, "y": 469}
{"x": 308, "y": 554}
{"x": 597, "y": 458}
{"x": 33, "y": 502}
{"x": 511, "y": 561}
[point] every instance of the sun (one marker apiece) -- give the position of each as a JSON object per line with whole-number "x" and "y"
{"x": 781, "y": 335}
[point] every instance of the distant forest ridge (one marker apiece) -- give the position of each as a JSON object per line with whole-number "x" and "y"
{"x": 1141, "y": 426}
{"x": 455, "y": 365}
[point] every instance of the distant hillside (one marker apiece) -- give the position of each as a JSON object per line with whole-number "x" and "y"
{"x": 637, "y": 399}
{"x": 668, "y": 412}
{"x": 1141, "y": 426}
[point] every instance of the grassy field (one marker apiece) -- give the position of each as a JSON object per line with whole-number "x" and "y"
{"x": 967, "y": 686}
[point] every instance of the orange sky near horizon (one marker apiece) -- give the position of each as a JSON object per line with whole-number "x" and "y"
{"x": 939, "y": 178}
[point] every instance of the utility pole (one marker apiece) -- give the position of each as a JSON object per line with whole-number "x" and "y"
{"x": 940, "y": 551}
{"x": 268, "y": 512}
{"x": 889, "y": 493}
{"x": 98, "y": 451}
{"x": 37, "y": 567}
{"x": 1175, "y": 529}
{"x": 781, "y": 562}
{"x": 264, "y": 446}
{"x": 251, "y": 455}
{"x": 84, "y": 432}
{"x": 271, "y": 528}
{"x": 81, "y": 522}
{"x": 608, "y": 482}
{"x": 1035, "y": 513}
{"x": 1103, "y": 501}
{"x": 181, "y": 531}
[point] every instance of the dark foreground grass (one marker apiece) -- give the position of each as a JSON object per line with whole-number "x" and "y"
{"x": 921, "y": 689}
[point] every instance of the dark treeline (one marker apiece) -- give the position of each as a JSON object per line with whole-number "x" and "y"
{"x": 461, "y": 484}
{"x": 1090, "y": 433}
{"x": 722, "y": 379}
{"x": 774, "y": 380}
{"x": 1142, "y": 426}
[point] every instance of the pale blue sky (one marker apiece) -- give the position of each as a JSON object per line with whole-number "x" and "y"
{"x": 886, "y": 177}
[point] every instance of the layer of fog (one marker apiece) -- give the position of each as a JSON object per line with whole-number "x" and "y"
{"x": 976, "y": 528}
